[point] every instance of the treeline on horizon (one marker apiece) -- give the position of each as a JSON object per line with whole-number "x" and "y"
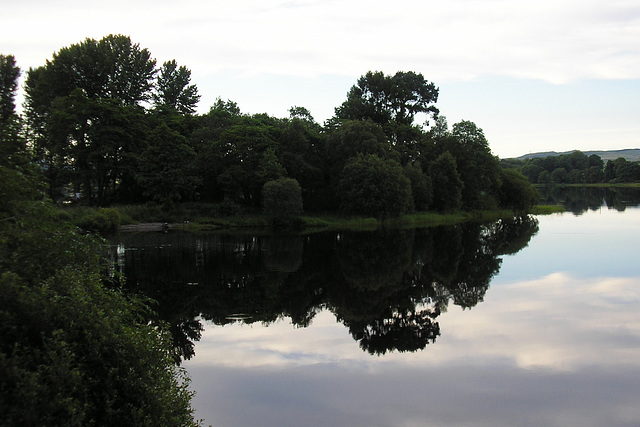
{"x": 106, "y": 125}
{"x": 576, "y": 168}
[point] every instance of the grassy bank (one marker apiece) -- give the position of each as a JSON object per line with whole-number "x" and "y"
{"x": 595, "y": 185}
{"x": 200, "y": 217}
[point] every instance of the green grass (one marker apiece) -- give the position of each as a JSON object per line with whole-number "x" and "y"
{"x": 594, "y": 185}
{"x": 206, "y": 216}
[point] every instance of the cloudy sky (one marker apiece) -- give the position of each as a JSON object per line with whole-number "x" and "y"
{"x": 536, "y": 76}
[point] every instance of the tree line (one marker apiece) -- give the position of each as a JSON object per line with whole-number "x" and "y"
{"x": 576, "y": 168}
{"x": 107, "y": 125}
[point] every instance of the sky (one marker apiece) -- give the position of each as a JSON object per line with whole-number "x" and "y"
{"x": 549, "y": 75}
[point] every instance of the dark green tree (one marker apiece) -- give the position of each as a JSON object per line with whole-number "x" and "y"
{"x": 478, "y": 169}
{"x": 301, "y": 152}
{"x": 375, "y": 187}
{"x": 393, "y": 102}
{"x": 205, "y": 140}
{"x": 246, "y": 153}
{"x": 421, "y": 186}
{"x": 167, "y": 167}
{"x": 9, "y": 121}
{"x": 73, "y": 352}
{"x": 559, "y": 176}
{"x": 447, "y": 185}
{"x": 515, "y": 191}
{"x": 173, "y": 89}
{"x": 353, "y": 137}
{"x": 609, "y": 171}
{"x": 79, "y": 98}
{"x": 19, "y": 180}
{"x": 282, "y": 198}
{"x": 626, "y": 171}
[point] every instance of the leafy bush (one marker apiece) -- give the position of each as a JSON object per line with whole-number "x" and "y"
{"x": 516, "y": 192}
{"x": 227, "y": 208}
{"x": 103, "y": 221}
{"x": 73, "y": 352}
{"x": 282, "y": 198}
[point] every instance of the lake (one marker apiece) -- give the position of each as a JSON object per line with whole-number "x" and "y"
{"x": 531, "y": 322}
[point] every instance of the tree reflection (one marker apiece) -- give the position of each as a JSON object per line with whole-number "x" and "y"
{"x": 579, "y": 200}
{"x": 387, "y": 287}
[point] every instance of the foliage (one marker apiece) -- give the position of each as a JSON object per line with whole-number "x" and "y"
{"x": 85, "y": 114}
{"x": 373, "y": 186}
{"x": 390, "y": 101}
{"x": 9, "y": 74}
{"x": 353, "y": 137}
{"x": 105, "y": 123}
{"x": 282, "y": 198}
{"x": 447, "y": 185}
{"x": 421, "y": 186}
{"x": 576, "y": 168}
{"x": 166, "y": 166}
{"x": 478, "y": 169}
{"x": 102, "y": 221}
{"x": 516, "y": 192}
{"x": 73, "y": 352}
{"x": 173, "y": 89}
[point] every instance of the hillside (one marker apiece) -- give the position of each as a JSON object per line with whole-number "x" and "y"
{"x": 632, "y": 155}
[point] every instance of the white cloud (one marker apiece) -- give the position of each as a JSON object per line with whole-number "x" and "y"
{"x": 556, "y": 41}
{"x": 555, "y": 323}
{"x": 562, "y": 42}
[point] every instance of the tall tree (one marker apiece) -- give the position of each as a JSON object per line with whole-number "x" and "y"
{"x": 19, "y": 180}
{"x": 9, "y": 126}
{"x": 173, "y": 89}
{"x": 393, "y": 102}
{"x": 71, "y": 105}
{"x": 478, "y": 168}
{"x": 167, "y": 167}
{"x": 447, "y": 185}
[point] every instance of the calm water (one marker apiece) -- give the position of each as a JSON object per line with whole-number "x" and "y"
{"x": 530, "y": 322}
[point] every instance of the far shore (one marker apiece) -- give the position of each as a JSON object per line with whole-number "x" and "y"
{"x": 421, "y": 219}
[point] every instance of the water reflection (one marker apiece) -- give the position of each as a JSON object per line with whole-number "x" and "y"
{"x": 579, "y": 200}
{"x": 386, "y": 287}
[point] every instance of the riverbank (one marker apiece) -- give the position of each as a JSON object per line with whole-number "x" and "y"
{"x": 133, "y": 218}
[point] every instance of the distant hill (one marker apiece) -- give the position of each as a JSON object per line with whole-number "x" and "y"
{"x": 632, "y": 154}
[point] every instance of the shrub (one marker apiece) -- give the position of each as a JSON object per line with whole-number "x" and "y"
{"x": 72, "y": 351}
{"x": 516, "y": 192}
{"x": 103, "y": 221}
{"x": 282, "y": 198}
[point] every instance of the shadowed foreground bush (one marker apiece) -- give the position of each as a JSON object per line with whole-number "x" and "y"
{"x": 73, "y": 352}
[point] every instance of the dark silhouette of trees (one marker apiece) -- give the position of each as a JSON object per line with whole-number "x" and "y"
{"x": 108, "y": 125}
{"x": 576, "y": 168}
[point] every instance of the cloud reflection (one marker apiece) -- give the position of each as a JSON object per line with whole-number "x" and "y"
{"x": 557, "y": 322}
{"x": 554, "y": 351}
